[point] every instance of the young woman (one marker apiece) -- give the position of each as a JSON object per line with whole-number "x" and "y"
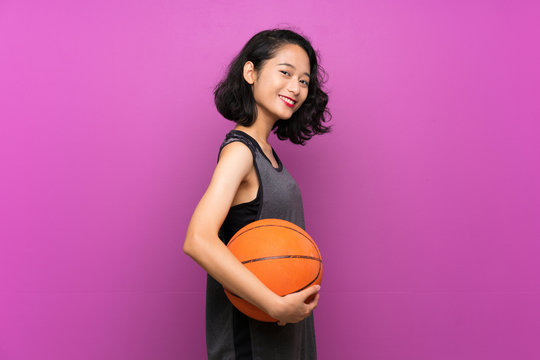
{"x": 274, "y": 83}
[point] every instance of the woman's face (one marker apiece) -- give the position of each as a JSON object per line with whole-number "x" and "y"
{"x": 281, "y": 86}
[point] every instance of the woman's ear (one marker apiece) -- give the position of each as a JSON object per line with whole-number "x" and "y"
{"x": 250, "y": 74}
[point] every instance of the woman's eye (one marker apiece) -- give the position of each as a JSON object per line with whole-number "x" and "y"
{"x": 287, "y": 73}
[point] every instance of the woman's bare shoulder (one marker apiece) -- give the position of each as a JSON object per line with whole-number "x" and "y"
{"x": 236, "y": 151}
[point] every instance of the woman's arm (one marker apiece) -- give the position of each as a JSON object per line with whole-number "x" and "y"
{"x": 204, "y": 246}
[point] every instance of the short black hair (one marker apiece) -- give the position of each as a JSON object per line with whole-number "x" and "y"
{"x": 234, "y": 98}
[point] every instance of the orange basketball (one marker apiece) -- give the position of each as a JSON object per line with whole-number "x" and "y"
{"x": 281, "y": 254}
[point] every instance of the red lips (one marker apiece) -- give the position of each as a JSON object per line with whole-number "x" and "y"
{"x": 286, "y": 103}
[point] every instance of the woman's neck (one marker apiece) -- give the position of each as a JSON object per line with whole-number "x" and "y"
{"x": 259, "y": 131}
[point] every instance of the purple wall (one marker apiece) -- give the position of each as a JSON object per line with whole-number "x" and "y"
{"x": 424, "y": 200}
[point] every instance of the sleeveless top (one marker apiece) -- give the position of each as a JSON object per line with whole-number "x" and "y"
{"x": 231, "y": 335}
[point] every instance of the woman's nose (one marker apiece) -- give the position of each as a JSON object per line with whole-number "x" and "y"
{"x": 293, "y": 86}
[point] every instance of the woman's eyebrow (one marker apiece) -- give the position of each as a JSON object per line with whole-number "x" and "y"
{"x": 293, "y": 67}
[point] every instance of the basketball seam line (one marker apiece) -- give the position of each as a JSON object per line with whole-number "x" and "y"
{"x": 305, "y": 287}
{"x": 283, "y": 226}
{"x": 282, "y": 257}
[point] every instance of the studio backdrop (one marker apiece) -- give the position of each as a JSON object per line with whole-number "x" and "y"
{"x": 424, "y": 199}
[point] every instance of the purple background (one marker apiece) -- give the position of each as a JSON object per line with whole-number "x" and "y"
{"x": 424, "y": 201}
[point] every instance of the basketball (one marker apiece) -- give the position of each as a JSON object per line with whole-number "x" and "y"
{"x": 281, "y": 254}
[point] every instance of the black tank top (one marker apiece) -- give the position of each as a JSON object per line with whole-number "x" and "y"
{"x": 229, "y": 333}
{"x": 239, "y": 215}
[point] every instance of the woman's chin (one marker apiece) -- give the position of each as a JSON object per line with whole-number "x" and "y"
{"x": 286, "y": 117}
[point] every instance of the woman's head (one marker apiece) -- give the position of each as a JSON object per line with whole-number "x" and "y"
{"x": 257, "y": 79}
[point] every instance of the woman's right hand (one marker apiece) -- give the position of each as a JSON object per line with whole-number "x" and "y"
{"x": 293, "y": 308}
